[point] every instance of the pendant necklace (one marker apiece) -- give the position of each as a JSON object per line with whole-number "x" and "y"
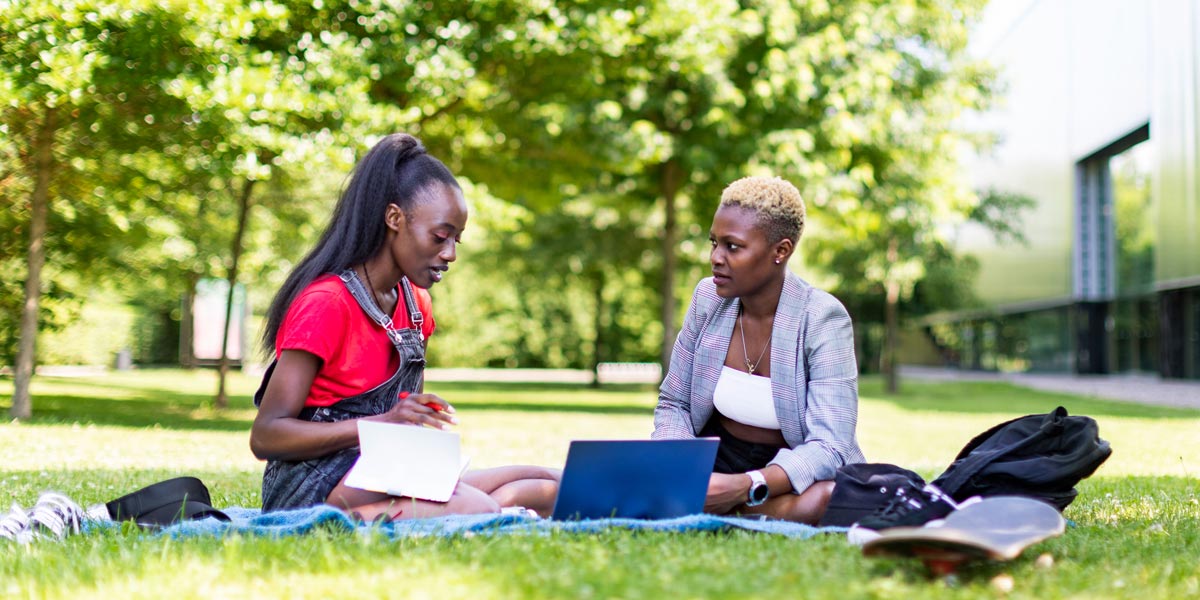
{"x": 751, "y": 366}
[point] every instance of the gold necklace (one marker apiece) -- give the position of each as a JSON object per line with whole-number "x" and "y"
{"x": 751, "y": 366}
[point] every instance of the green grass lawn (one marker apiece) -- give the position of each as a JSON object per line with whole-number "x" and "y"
{"x": 1136, "y": 533}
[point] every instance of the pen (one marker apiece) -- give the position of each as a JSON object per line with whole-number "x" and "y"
{"x": 433, "y": 405}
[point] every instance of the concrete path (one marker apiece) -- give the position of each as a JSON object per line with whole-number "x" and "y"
{"x": 1146, "y": 389}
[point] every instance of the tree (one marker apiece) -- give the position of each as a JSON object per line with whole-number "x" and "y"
{"x": 547, "y": 290}
{"x": 80, "y": 85}
{"x": 856, "y": 102}
{"x": 435, "y": 68}
{"x": 884, "y": 89}
{"x": 179, "y": 116}
{"x": 599, "y": 99}
{"x": 611, "y": 126}
{"x": 277, "y": 103}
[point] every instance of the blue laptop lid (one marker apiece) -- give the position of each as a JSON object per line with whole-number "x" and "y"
{"x": 636, "y": 479}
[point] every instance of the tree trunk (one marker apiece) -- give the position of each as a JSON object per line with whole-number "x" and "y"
{"x": 891, "y": 328}
{"x": 187, "y": 325}
{"x": 236, "y": 251}
{"x": 187, "y": 333}
{"x": 669, "y": 183}
{"x": 598, "y": 328}
{"x": 39, "y": 209}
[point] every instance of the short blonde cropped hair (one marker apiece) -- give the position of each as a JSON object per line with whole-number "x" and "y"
{"x": 778, "y": 204}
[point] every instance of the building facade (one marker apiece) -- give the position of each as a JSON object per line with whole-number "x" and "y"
{"x": 1099, "y": 124}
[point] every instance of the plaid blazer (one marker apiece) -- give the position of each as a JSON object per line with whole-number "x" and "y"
{"x": 814, "y": 377}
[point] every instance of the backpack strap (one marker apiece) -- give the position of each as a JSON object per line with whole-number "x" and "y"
{"x": 971, "y": 460}
{"x": 1053, "y": 423}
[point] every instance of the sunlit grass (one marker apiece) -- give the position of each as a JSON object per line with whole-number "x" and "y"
{"x": 1136, "y": 530}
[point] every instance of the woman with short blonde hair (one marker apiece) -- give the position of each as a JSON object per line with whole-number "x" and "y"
{"x": 765, "y": 362}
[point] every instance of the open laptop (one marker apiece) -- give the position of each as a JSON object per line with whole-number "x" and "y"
{"x": 636, "y": 479}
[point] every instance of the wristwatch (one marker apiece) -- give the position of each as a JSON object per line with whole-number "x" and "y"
{"x": 758, "y": 489}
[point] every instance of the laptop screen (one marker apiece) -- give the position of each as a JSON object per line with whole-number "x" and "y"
{"x": 636, "y": 479}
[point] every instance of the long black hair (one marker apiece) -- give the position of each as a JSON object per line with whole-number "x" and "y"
{"x": 395, "y": 171}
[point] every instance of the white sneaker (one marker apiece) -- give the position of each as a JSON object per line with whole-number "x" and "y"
{"x": 15, "y": 526}
{"x": 959, "y": 506}
{"x": 520, "y": 511}
{"x": 55, "y": 516}
{"x": 97, "y": 512}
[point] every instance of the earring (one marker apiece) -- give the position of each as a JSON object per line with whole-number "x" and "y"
{"x": 777, "y": 261}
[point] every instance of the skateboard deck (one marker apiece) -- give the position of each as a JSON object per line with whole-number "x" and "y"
{"x": 995, "y": 528}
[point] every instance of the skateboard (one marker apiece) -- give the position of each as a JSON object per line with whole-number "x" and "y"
{"x": 996, "y": 528}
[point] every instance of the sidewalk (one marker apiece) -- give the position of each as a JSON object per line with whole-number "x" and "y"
{"x": 1146, "y": 389}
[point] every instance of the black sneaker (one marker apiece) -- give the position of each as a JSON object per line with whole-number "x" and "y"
{"x": 909, "y": 507}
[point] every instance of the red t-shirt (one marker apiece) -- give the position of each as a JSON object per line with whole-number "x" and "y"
{"x": 326, "y": 321}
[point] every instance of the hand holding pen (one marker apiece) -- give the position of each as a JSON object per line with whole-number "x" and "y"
{"x": 423, "y": 409}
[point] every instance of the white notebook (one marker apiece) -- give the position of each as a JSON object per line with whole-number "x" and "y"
{"x": 406, "y": 460}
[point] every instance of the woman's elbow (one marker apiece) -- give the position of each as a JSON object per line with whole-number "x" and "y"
{"x": 256, "y": 448}
{"x": 260, "y": 444}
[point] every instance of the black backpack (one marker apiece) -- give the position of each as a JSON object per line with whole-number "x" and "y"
{"x": 165, "y": 503}
{"x": 1037, "y": 456}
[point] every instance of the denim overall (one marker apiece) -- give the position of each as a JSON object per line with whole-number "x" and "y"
{"x": 296, "y": 484}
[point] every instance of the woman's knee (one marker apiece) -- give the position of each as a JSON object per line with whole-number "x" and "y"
{"x": 821, "y": 491}
{"x": 815, "y": 500}
{"x": 519, "y": 472}
{"x": 471, "y": 500}
{"x": 530, "y": 493}
{"x": 808, "y": 506}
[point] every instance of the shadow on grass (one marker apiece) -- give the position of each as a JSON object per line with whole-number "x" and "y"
{"x": 132, "y": 405}
{"x": 565, "y": 407}
{"x": 138, "y": 406}
{"x": 179, "y": 411}
{"x": 148, "y": 389}
{"x": 617, "y": 402}
{"x": 990, "y": 397}
{"x": 509, "y": 387}
{"x": 88, "y": 486}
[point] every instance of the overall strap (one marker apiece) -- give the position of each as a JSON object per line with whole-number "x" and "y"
{"x": 410, "y": 302}
{"x": 364, "y": 298}
{"x": 406, "y": 342}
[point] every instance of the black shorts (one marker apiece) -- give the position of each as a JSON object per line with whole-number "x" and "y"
{"x": 735, "y": 455}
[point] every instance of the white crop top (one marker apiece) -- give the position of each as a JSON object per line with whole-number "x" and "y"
{"x": 746, "y": 398}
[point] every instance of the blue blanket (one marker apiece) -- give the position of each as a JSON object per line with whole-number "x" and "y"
{"x": 294, "y": 522}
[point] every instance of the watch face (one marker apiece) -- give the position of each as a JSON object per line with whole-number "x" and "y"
{"x": 758, "y": 493}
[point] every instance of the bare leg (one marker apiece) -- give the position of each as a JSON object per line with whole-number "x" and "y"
{"x": 369, "y": 505}
{"x": 536, "y": 494}
{"x": 490, "y": 480}
{"x": 531, "y": 487}
{"x": 807, "y": 507}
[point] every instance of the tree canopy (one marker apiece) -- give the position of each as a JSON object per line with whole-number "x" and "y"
{"x": 154, "y": 144}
